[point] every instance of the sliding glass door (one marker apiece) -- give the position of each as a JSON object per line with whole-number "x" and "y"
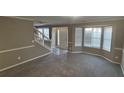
{"x": 60, "y": 37}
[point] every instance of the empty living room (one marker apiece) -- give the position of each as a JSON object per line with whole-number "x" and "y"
{"x": 61, "y": 46}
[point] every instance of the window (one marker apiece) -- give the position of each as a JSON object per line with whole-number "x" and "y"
{"x": 44, "y": 31}
{"x": 41, "y": 30}
{"x": 87, "y": 37}
{"x": 107, "y": 38}
{"x": 92, "y": 37}
{"x": 78, "y": 37}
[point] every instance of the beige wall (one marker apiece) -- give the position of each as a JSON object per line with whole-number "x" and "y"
{"x": 16, "y": 33}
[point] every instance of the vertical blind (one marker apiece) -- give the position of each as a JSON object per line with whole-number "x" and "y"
{"x": 78, "y": 37}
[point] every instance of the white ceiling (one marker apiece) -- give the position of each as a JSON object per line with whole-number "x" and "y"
{"x": 69, "y": 19}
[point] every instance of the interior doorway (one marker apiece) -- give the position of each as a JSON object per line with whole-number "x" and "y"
{"x": 60, "y": 38}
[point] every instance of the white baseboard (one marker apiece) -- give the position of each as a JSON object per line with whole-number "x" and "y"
{"x": 6, "y": 68}
{"x": 96, "y": 55}
{"x": 122, "y": 68}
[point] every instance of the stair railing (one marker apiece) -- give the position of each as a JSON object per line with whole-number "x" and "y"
{"x": 42, "y": 39}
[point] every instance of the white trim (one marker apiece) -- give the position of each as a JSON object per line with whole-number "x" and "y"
{"x": 15, "y": 49}
{"x": 122, "y": 68}
{"x": 20, "y": 18}
{"x": 96, "y": 55}
{"x": 6, "y": 68}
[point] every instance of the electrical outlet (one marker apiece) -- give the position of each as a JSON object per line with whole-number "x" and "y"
{"x": 19, "y": 58}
